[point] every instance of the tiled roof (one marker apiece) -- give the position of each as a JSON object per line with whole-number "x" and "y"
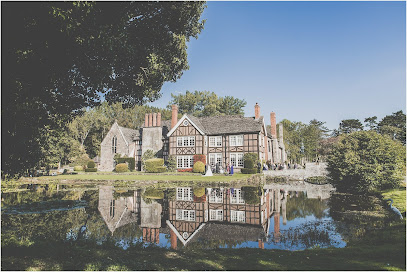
{"x": 228, "y": 124}
{"x": 129, "y": 133}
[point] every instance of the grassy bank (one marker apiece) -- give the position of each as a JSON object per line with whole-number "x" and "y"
{"x": 379, "y": 250}
{"x": 398, "y": 196}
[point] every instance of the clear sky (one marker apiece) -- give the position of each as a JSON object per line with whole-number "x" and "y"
{"x": 303, "y": 60}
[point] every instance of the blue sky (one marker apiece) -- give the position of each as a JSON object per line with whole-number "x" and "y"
{"x": 303, "y": 60}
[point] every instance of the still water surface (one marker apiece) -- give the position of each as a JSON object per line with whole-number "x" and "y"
{"x": 269, "y": 217}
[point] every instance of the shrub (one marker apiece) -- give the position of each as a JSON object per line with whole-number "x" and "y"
{"x": 81, "y": 160}
{"x": 122, "y": 167}
{"x": 251, "y": 156}
{"x": 78, "y": 168}
{"x": 317, "y": 180}
{"x": 153, "y": 193}
{"x": 248, "y": 171}
{"x": 251, "y": 194}
{"x": 365, "y": 161}
{"x": 91, "y": 170}
{"x": 171, "y": 163}
{"x": 199, "y": 167}
{"x": 91, "y": 164}
{"x": 148, "y": 155}
{"x": 200, "y": 158}
{"x": 130, "y": 161}
{"x": 199, "y": 192}
{"x": 249, "y": 164}
{"x": 154, "y": 166}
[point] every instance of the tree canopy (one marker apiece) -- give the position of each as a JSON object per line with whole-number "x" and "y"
{"x": 205, "y": 103}
{"x": 364, "y": 161}
{"x": 65, "y": 56}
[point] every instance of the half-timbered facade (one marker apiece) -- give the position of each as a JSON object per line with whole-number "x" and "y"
{"x": 222, "y": 139}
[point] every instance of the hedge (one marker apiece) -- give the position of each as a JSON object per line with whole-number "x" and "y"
{"x": 91, "y": 170}
{"x": 91, "y": 164}
{"x": 153, "y": 193}
{"x": 185, "y": 170}
{"x": 199, "y": 167}
{"x": 199, "y": 192}
{"x": 249, "y": 163}
{"x": 201, "y": 158}
{"x": 248, "y": 171}
{"x": 78, "y": 168}
{"x": 122, "y": 167}
{"x": 131, "y": 162}
{"x": 155, "y": 166}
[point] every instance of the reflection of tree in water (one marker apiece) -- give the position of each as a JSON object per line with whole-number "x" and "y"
{"x": 356, "y": 214}
{"x": 299, "y": 206}
{"x": 308, "y": 235}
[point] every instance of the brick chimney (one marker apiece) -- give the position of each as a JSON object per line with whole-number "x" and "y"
{"x": 146, "y": 120}
{"x": 273, "y": 124}
{"x": 159, "y": 119}
{"x": 150, "y": 119}
{"x": 174, "y": 115}
{"x": 154, "y": 119}
{"x": 256, "y": 111}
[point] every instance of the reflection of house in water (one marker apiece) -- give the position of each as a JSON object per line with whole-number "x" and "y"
{"x": 219, "y": 214}
{"x": 130, "y": 209}
{"x": 222, "y": 214}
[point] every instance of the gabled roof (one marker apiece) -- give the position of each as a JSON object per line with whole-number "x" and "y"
{"x": 129, "y": 133}
{"x": 225, "y": 124}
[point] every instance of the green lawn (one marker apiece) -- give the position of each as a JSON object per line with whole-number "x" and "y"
{"x": 145, "y": 177}
{"x": 379, "y": 250}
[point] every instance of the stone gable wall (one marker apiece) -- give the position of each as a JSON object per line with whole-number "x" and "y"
{"x": 106, "y": 154}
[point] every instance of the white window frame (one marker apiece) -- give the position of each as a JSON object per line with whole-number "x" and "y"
{"x": 214, "y": 158}
{"x": 216, "y": 215}
{"x": 239, "y": 159}
{"x": 237, "y": 216}
{"x": 114, "y": 144}
{"x": 185, "y": 141}
{"x": 185, "y": 194}
{"x": 215, "y": 141}
{"x": 236, "y": 140}
{"x": 185, "y": 162}
{"x": 236, "y": 197}
{"x": 214, "y": 198}
{"x": 185, "y": 215}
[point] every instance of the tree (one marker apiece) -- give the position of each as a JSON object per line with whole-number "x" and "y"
{"x": 371, "y": 122}
{"x": 394, "y": 125}
{"x": 65, "y": 56}
{"x": 205, "y": 103}
{"x": 365, "y": 161}
{"x": 349, "y": 126}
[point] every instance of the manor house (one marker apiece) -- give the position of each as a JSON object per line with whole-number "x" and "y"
{"x": 222, "y": 139}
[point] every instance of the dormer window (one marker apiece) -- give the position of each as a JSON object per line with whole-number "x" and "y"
{"x": 114, "y": 144}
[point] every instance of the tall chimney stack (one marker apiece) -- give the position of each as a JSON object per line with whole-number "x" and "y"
{"x": 150, "y": 119}
{"x": 256, "y": 111}
{"x": 159, "y": 119}
{"x": 174, "y": 115}
{"x": 280, "y": 131}
{"x": 146, "y": 120}
{"x": 154, "y": 119}
{"x": 273, "y": 125}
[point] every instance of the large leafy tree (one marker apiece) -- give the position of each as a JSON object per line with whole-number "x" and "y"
{"x": 64, "y": 56}
{"x": 365, "y": 161}
{"x": 205, "y": 103}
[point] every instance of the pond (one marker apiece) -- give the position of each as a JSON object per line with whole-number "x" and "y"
{"x": 290, "y": 217}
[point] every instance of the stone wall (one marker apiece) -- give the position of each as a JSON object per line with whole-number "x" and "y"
{"x": 152, "y": 139}
{"x": 106, "y": 154}
{"x": 311, "y": 170}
